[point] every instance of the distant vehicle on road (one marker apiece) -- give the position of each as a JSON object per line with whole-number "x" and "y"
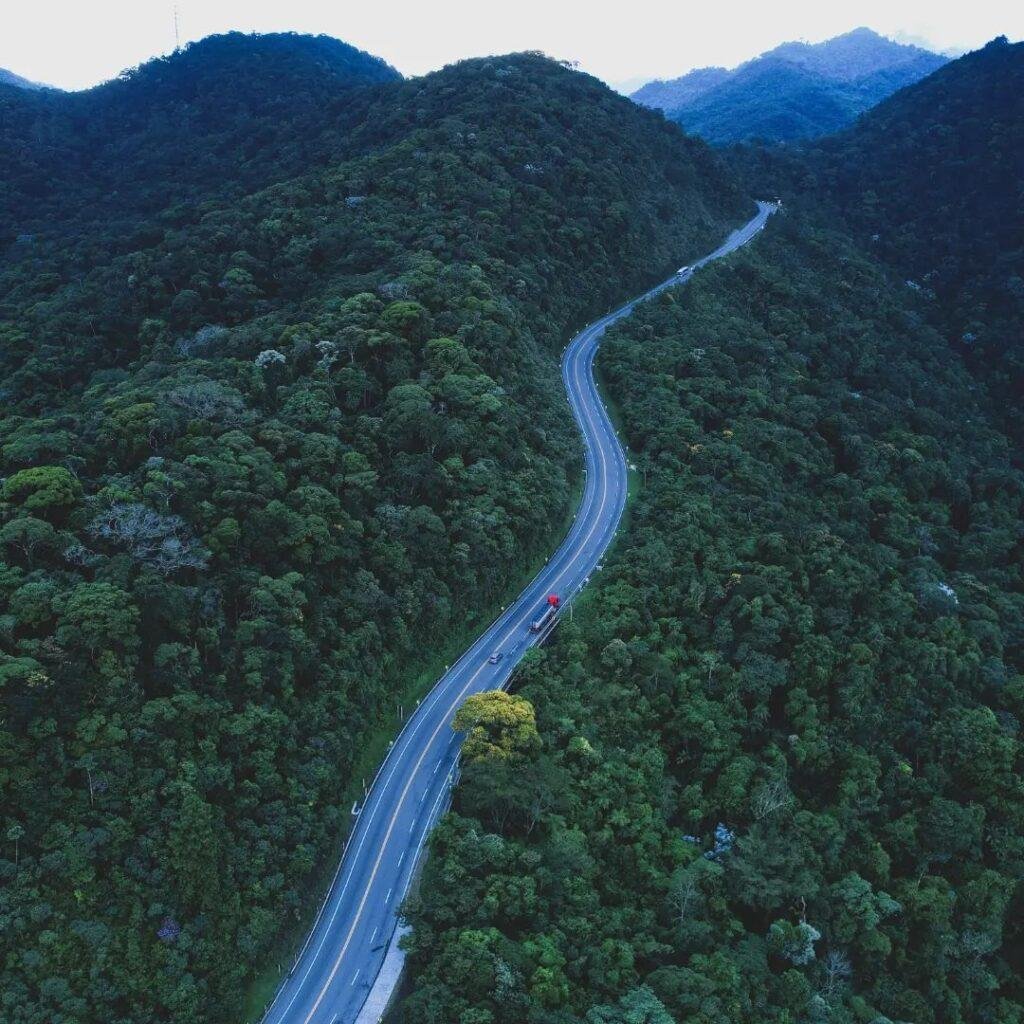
{"x": 495, "y": 658}
{"x": 682, "y": 270}
{"x": 547, "y": 615}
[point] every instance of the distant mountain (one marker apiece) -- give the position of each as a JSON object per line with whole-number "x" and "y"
{"x": 796, "y": 91}
{"x": 677, "y": 93}
{"x": 852, "y": 56}
{"x": 10, "y": 78}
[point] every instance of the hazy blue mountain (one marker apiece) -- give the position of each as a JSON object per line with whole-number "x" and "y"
{"x": 678, "y": 92}
{"x": 10, "y": 78}
{"x": 798, "y": 90}
{"x": 852, "y": 56}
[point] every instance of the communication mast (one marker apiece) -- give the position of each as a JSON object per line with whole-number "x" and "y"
{"x": 177, "y": 37}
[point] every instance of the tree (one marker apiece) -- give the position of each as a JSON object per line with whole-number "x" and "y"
{"x": 15, "y": 833}
{"x": 101, "y": 620}
{"x": 498, "y": 727}
{"x": 194, "y": 853}
{"x": 30, "y": 536}
{"x": 794, "y": 942}
{"x": 638, "y": 1006}
{"x": 49, "y": 491}
{"x": 163, "y": 541}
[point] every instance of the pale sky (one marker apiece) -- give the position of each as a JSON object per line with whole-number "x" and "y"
{"x": 77, "y": 43}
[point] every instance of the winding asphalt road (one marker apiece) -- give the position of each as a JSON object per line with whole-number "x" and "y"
{"x": 333, "y": 973}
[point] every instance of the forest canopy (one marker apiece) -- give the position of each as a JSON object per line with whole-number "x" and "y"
{"x": 929, "y": 182}
{"x": 274, "y": 429}
{"x": 779, "y": 768}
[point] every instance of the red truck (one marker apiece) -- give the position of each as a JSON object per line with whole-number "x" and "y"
{"x": 546, "y": 616}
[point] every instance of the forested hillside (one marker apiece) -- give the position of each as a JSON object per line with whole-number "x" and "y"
{"x": 221, "y": 117}
{"x": 795, "y": 91}
{"x": 776, "y": 774}
{"x": 259, "y": 453}
{"x": 933, "y": 181}
{"x": 929, "y": 183}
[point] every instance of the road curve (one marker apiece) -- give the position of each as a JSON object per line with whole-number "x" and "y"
{"x": 339, "y": 962}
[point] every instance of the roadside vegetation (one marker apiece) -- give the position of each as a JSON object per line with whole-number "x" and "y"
{"x": 778, "y": 775}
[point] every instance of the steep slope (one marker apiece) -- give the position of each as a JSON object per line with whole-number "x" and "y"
{"x": 780, "y": 770}
{"x": 795, "y": 91}
{"x": 261, "y": 458}
{"x": 933, "y": 181}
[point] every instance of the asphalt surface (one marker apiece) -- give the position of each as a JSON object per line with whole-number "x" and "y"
{"x": 338, "y": 964}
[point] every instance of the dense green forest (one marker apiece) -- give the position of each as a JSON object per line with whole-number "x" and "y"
{"x": 221, "y": 117}
{"x": 795, "y": 91}
{"x": 280, "y": 410}
{"x": 776, "y": 768}
{"x": 263, "y": 441}
{"x": 931, "y": 182}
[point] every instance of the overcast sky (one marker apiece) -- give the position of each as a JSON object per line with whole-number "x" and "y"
{"x": 77, "y": 43}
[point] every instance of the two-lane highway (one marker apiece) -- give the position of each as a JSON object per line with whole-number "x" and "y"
{"x": 340, "y": 960}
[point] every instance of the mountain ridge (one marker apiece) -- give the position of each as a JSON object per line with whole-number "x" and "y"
{"x": 796, "y": 90}
{"x": 18, "y": 82}
{"x": 225, "y": 112}
{"x": 968, "y": 209}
